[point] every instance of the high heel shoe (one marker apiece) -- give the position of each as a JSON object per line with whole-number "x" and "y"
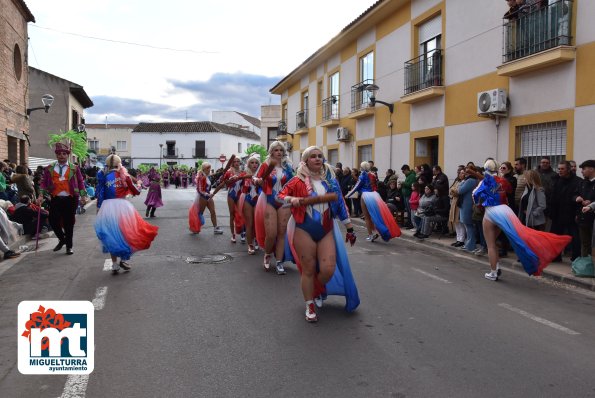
{"x": 233, "y": 238}
{"x": 267, "y": 262}
{"x": 251, "y": 249}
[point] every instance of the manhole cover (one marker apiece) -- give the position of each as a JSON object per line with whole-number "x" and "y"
{"x": 209, "y": 259}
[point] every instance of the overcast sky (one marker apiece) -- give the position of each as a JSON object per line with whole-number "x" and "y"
{"x": 186, "y": 58}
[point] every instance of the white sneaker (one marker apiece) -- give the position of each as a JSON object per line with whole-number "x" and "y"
{"x": 310, "y": 312}
{"x": 492, "y": 275}
{"x": 218, "y": 231}
{"x": 115, "y": 268}
{"x": 318, "y": 301}
{"x": 280, "y": 269}
{"x": 369, "y": 238}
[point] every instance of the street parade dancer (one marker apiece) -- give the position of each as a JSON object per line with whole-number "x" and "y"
{"x": 119, "y": 227}
{"x": 535, "y": 249}
{"x": 154, "y": 199}
{"x": 270, "y": 218}
{"x": 184, "y": 178}
{"x": 314, "y": 234}
{"x": 232, "y": 178}
{"x": 165, "y": 178}
{"x": 376, "y": 213}
{"x": 203, "y": 200}
{"x": 64, "y": 183}
{"x": 248, "y": 199}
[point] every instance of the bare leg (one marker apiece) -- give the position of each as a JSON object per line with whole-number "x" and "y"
{"x": 270, "y": 226}
{"x": 327, "y": 258}
{"x": 306, "y": 247}
{"x": 231, "y": 205}
{"x": 491, "y": 232}
{"x": 249, "y": 219}
{"x": 211, "y": 207}
{"x": 283, "y": 215}
{"x": 369, "y": 225}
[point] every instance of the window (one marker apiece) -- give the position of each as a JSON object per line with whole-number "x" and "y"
{"x": 17, "y": 62}
{"x": 75, "y": 120}
{"x": 239, "y": 147}
{"x": 170, "y": 149}
{"x": 333, "y": 157}
{"x": 121, "y": 145}
{"x": 302, "y": 116}
{"x": 542, "y": 140}
{"x": 366, "y": 71}
{"x": 426, "y": 69}
{"x": 93, "y": 145}
{"x": 364, "y": 153}
{"x": 272, "y": 133}
{"x": 200, "y": 149}
{"x": 333, "y": 83}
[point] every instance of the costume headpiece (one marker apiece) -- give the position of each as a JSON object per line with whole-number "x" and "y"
{"x": 70, "y": 141}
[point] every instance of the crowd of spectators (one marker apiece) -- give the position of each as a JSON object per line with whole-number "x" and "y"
{"x": 422, "y": 198}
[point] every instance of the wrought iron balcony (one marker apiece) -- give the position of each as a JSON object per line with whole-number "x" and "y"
{"x": 535, "y": 28}
{"x": 360, "y": 98}
{"x": 170, "y": 152}
{"x": 330, "y": 108}
{"x": 301, "y": 119}
{"x": 423, "y": 72}
{"x": 200, "y": 154}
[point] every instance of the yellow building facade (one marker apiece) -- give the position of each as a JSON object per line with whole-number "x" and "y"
{"x": 448, "y": 82}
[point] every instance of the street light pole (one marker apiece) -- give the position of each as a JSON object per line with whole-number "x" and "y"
{"x": 372, "y": 89}
{"x": 160, "y": 154}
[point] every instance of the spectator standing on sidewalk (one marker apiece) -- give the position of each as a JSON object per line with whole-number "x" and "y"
{"x": 416, "y": 193}
{"x": 465, "y": 204}
{"x": 407, "y": 189}
{"x": 455, "y": 209}
{"x": 533, "y": 202}
{"x": 440, "y": 181}
{"x": 584, "y": 196}
{"x": 548, "y": 177}
{"x": 563, "y": 207}
{"x": 520, "y": 166}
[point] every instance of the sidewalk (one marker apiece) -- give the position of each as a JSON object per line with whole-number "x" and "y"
{"x": 560, "y": 272}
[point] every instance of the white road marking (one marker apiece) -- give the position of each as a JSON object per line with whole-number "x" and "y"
{"x": 107, "y": 265}
{"x": 99, "y": 300}
{"x": 431, "y": 275}
{"x": 538, "y": 319}
{"x": 75, "y": 387}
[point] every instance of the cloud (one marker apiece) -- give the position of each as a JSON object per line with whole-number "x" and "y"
{"x": 223, "y": 91}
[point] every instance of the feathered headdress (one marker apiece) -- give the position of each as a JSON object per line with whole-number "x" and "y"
{"x": 70, "y": 141}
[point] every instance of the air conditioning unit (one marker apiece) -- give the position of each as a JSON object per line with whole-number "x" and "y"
{"x": 342, "y": 134}
{"x": 492, "y": 102}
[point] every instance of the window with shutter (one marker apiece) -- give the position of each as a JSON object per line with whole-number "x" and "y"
{"x": 542, "y": 140}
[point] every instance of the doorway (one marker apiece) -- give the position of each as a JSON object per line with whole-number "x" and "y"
{"x": 426, "y": 151}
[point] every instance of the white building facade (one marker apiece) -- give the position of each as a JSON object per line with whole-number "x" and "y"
{"x": 186, "y": 143}
{"x": 104, "y": 139}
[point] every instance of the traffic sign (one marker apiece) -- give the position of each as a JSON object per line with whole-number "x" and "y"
{"x": 222, "y": 158}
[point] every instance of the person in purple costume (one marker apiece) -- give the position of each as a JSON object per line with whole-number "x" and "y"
{"x": 153, "y": 200}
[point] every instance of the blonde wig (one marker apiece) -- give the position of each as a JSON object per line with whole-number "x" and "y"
{"x": 304, "y": 173}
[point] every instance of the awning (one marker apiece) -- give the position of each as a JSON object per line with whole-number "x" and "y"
{"x": 33, "y": 162}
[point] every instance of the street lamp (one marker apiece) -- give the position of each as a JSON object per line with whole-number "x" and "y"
{"x": 372, "y": 89}
{"x": 160, "y": 153}
{"x": 47, "y": 100}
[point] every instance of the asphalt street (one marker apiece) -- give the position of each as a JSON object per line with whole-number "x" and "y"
{"x": 181, "y": 325}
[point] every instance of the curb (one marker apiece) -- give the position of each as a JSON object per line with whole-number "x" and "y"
{"x": 583, "y": 283}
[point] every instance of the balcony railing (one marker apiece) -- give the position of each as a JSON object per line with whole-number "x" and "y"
{"x": 536, "y": 28}
{"x": 200, "y": 154}
{"x": 301, "y": 119}
{"x": 330, "y": 108}
{"x": 423, "y": 72}
{"x": 170, "y": 152}
{"x": 360, "y": 98}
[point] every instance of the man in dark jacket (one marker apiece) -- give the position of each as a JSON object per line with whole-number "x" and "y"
{"x": 584, "y": 196}
{"x": 440, "y": 181}
{"x": 563, "y": 207}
